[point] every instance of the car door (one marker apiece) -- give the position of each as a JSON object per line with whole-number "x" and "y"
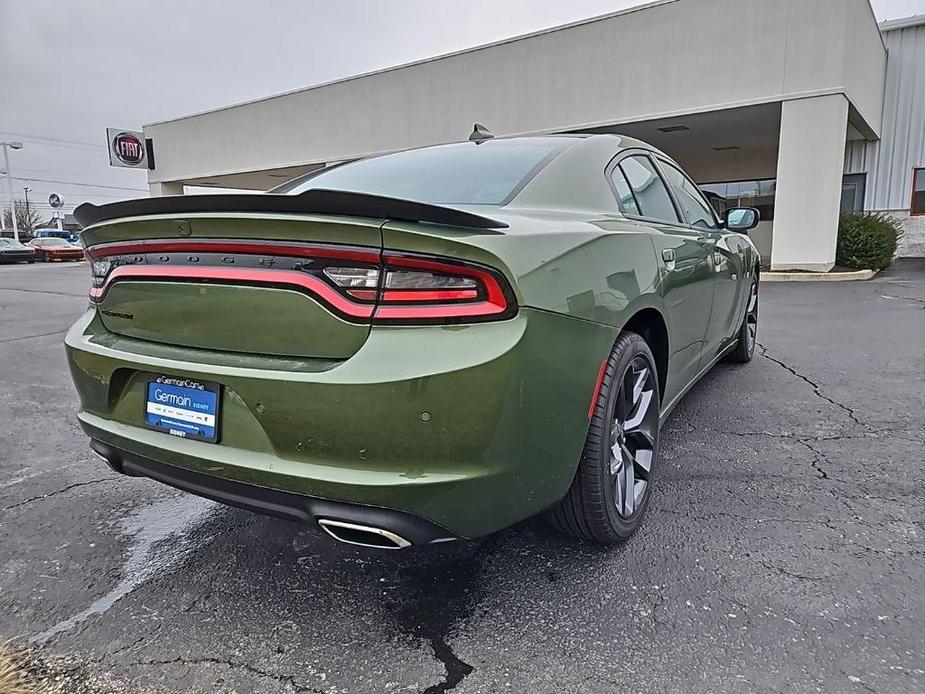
{"x": 685, "y": 263}
{"x": 724, "y": 258}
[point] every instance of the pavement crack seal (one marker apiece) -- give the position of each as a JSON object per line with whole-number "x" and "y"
{"x": 149, "y": 554}
{"x": 68, "y": 488}
{"x": 289, "y": 680}
{"x": 815, "y": 386}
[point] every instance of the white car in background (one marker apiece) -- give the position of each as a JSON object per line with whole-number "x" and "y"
{"x": 12, "y": 251}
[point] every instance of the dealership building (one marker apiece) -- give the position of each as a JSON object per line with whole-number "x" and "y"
{"x": 801, "y": 108}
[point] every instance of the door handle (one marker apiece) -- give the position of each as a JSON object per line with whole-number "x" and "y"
{"x": 668, "y": 257}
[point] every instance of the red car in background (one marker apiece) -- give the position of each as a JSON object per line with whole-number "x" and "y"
{"x": 49, "y": 249}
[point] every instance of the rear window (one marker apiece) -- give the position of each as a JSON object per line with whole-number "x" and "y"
{"x": 490, "y": 173}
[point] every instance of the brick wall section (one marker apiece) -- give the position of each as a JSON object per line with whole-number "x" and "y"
{"x": 912, "y": 245}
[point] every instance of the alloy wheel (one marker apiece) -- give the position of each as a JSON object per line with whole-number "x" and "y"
{"x": 632, "y": 436}
{"x": 751, "y": 318}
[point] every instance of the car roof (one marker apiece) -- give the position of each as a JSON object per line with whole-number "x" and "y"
{"x": 573, "y": 179}
{"x": 565, "y": 183}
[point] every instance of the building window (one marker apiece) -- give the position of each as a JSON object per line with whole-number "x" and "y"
{"x": 852, "y": 193}
{"x": 758, "y": 194}
{"x": 918, "y": 192}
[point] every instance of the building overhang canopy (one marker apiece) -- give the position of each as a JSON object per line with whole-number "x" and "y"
{"x": 671, "y": 60}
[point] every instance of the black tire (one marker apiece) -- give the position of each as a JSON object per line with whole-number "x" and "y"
{"x": 596, "y": 507}
{"x": 748, "y": 330}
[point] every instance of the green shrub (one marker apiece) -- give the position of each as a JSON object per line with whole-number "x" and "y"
{"x": 867, "y": 241}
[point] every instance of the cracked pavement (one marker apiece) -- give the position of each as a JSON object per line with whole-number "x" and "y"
{"x": 783, "y": 547}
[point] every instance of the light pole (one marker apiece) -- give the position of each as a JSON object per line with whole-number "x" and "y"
{"x": 25, "y": 190}
{"x": 9, "y": 181}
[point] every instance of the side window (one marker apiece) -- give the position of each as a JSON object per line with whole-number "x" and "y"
{"x": 699, "y": 212}
{"x": 624, "y": 193}
{"x": 649, "y": 190}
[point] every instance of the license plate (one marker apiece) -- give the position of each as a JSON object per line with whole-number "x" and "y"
{"x": 183, "y": 407}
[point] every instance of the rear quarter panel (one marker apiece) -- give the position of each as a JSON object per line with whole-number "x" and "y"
{"x": 602, "y": 270}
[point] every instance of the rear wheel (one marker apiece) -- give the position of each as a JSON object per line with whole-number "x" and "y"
{"x": 748, "y": 331}
{"x": 612, "y": 486}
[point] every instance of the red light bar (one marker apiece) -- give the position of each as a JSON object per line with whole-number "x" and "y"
{"x": 220, "y": 275}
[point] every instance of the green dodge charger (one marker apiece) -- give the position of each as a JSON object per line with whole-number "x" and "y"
{"x": 417, "y": 347}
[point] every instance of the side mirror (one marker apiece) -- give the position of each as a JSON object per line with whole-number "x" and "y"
{"x": 741, "y": 219}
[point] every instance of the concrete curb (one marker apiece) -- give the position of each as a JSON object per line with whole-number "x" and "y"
{"x": 855, "y": 276}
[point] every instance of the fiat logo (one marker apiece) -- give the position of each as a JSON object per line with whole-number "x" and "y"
{"x": 128, "y": 148}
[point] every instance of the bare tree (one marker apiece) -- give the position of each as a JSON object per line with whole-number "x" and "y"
{"x": 27, "y": 218}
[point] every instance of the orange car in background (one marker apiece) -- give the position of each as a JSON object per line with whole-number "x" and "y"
{"x": 49, "y": 249}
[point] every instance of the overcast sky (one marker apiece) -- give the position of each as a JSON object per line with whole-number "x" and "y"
{"x": 70, "y": 69}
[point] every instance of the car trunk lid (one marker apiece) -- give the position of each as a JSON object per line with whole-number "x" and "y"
{"x": 237, "y": 282}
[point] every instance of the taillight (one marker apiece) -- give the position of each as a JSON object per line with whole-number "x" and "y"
{"x": 99, "y": 272}
{"x": 431, "y": 290}
{"x": 356, "y": 283}
{"x": 417, "y": 289}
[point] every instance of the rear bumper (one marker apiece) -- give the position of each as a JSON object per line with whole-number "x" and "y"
{"x": 273, "y": 502}
{"x": 471, "y": 428}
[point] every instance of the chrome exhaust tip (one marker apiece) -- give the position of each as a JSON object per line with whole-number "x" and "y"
{"x": 107, "y": 455}
{"x": 362, "y": 535}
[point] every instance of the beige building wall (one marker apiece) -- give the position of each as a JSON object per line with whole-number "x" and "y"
{"x": 663, "y": 59}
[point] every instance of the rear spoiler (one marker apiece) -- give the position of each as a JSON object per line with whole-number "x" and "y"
{"x": 317, "y": 201}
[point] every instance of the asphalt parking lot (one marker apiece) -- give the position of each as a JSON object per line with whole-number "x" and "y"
{"x": 783, "y": 549}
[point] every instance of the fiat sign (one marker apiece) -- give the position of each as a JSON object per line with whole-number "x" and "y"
{"x": 127, "y": 148}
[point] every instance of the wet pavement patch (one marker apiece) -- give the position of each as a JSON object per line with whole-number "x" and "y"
{"x": 433, "y": 597}
{"x": 160, "y": 535}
